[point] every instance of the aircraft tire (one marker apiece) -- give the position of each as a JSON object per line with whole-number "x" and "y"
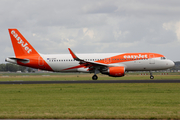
{"x": 94, "y": 77}
{"x": 151, "y": 77}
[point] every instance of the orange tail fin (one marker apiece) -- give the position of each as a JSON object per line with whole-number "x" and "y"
{"x": 20, "y": 44}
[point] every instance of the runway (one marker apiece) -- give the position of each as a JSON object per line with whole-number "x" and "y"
{"x": 89, "y": 81}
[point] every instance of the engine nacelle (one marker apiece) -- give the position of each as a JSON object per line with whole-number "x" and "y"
{"x": 114, "y": 71}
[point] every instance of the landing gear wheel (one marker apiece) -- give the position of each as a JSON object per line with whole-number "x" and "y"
{"x": 151, "y": 77}
{"x": 94, "y": 77}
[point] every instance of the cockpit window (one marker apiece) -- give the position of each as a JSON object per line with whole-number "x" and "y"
{"x": 163, "y": 58}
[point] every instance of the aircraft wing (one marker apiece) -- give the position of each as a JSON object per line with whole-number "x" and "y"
{"x": 89, "y": 64}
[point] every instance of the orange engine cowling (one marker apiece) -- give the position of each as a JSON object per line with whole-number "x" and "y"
{"x": 114, "y": 71}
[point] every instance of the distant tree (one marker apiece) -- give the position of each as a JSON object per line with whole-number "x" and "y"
{"x": 2, "y": 67}
{"x": 11, "y": 67}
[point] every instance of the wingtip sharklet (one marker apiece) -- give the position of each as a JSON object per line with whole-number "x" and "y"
{"x": 73, "y": 55}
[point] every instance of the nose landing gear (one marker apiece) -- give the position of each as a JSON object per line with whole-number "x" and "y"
{"x": 151, "y": 75}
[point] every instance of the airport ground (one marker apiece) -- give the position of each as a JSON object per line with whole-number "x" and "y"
{"x": 89, "y": 101}
{"x": 85, "y": 76}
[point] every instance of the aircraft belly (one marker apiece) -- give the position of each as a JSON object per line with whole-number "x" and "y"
{"x": 145, "y": 65}
{"x": 135, "y": 65}
{"x": 141, "y": 65}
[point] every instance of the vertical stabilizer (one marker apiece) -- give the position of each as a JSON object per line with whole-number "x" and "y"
{"x": 25, "y": 54}
{"x": 21, "y": 46}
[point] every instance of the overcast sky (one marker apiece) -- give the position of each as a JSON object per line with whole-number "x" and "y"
{"x": 93, "y": 26}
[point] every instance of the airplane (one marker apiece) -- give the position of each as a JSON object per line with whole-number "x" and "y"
{"x": 112, "y": 64}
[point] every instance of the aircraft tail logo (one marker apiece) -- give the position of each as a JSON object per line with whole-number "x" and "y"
{"x": 21, "y": 46}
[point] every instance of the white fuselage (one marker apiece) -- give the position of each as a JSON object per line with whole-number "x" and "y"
{"x": 60, "y": 62}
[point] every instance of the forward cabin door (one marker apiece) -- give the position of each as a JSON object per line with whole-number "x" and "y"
{"x": 151, "y": 57}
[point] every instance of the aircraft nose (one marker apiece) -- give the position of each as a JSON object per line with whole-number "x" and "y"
{"x": 171, "y": 63}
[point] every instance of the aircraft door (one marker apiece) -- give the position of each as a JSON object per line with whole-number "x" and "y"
{"x": 151, "y": 59}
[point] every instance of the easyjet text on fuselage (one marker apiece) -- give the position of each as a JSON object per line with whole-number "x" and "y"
{"x": 136, "y": 56}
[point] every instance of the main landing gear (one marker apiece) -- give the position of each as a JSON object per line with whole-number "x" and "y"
{"x": 94, "y": 77}
{"x": 151, "y": 75}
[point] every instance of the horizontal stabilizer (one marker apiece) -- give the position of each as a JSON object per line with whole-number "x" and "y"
{"x": 14, "y": 60}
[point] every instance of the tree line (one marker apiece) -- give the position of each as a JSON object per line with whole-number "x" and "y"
{"x": 13, "y": 68}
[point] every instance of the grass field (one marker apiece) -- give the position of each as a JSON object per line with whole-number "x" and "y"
{"x": 141, "y": 101}
{"x": 144, "y": 101}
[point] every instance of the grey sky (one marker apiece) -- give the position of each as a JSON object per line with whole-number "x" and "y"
{"x": 88, "y": 26}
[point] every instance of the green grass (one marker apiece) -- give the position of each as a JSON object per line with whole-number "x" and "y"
{"x": 141, "y": 101}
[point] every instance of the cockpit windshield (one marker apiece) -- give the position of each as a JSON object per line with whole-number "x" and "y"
{"x": 163, "y": 58}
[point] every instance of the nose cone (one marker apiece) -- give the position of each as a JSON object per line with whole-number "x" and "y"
{"x": 171, "y": 63}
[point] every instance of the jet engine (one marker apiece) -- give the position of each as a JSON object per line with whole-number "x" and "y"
{"x": 114, "y": 71}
